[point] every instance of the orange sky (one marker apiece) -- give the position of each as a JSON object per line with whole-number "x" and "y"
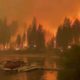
{"x": 50, "y": 13}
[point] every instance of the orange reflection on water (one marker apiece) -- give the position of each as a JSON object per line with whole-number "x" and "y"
{"x": 50, "y": 75}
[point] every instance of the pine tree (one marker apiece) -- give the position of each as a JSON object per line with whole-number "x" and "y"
{"x": 76, "y": 31}
{"x": 40, "y": 37}
{"x": 32, "y": 34}
{"x": 18, "y": 40}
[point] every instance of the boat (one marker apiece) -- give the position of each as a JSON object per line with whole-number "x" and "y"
{"x": 18, "y": 66}
{"x": 12, "y": 65}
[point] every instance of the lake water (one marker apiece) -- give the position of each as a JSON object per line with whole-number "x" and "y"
{"x": 30, "y": 75}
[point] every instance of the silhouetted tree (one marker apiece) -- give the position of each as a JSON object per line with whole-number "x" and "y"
{"x": 29, "y": 38}
{"x": 36, "y": 36}
{"x": 18, "y": 40}
{"x": 24, "y": 38}
{"x": 32, "y": 34}
{"x": 4, "y": 32}
{"x": 64, "y": 34}
{"x": 76, "y": 31}
{"x": 67, "y": 32}
{"x": 40, "y": 37}
{"x": 59, "y": 37}
{"x": 1, "y": 31}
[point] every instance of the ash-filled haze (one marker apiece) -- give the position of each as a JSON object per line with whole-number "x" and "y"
{"x": 49, "y": 13}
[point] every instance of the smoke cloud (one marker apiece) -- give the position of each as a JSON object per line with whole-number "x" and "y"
{"x": 50, "y": 13}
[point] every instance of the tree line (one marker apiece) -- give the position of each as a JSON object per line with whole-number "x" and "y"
{"x": 67, "y": 34}
{"x": 6, "y": 31}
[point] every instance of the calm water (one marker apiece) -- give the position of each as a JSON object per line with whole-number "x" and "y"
{"x": 32, "y": 75}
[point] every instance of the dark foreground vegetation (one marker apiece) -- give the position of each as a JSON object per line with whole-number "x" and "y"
{"x": 70, "y": 64}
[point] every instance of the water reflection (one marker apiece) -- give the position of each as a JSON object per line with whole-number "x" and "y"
{"x": 36, "y": 74}
{"x": 30, "y": 75}
{"x": 50, "y": 75}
